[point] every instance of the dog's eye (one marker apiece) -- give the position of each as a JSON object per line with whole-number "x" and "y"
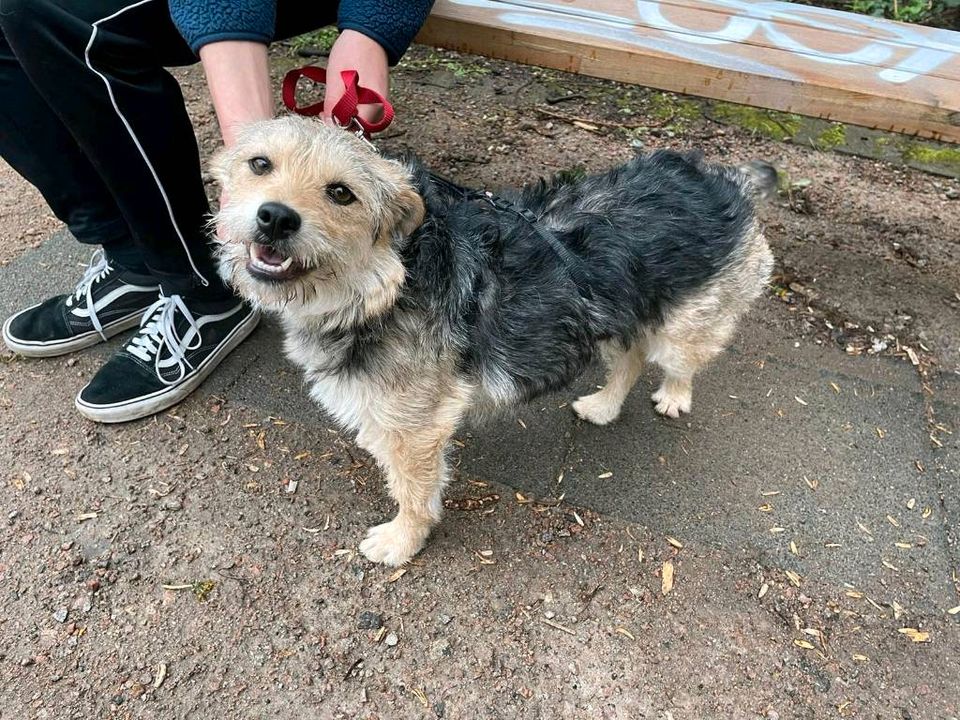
{"x": 260, "y": 165}
{"x": 341, "y": 194}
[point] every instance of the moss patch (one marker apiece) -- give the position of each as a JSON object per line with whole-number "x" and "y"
{"x": 321, "y": 39}
{"x": 768, "y": 123}
{"x": 571, "y": 174}
{"x": 832, "y": 137}
{"x": 667, "y": 107}
{"x": 435, "y": 61}
{"x": 946, "y": 157}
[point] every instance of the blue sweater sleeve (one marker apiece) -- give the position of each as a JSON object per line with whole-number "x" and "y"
{"x": 206, "y": 21}
{"x": 392, "y": 24}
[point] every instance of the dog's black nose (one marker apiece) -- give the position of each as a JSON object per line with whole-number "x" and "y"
{"x": 277, "y": 221}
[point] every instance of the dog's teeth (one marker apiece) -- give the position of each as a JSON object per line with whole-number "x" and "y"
{"x": 286, "y": 263}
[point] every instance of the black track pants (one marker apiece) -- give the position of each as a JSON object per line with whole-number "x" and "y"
{"x": 90, "y": 117}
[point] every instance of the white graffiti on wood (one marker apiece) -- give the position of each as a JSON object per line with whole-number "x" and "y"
{"x": 892, "y": 52}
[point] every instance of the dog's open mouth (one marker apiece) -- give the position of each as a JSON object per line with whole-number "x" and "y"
{"x": 267, "y": 263}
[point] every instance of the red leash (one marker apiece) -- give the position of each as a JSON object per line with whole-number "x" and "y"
{"x": 345, "y": 111}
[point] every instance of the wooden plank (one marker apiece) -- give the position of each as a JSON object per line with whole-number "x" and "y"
{"x": 795, "y": 58}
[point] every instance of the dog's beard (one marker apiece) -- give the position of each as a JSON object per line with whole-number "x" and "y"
{"x": 316, "y": 291}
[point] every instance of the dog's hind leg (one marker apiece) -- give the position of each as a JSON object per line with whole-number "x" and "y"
{"x": 416, "y": 469}
{"x": 623, "y": 369}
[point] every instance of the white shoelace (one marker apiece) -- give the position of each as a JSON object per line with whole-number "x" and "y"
{"x": 158, "y": 329}
{"x": 98, "y": 268}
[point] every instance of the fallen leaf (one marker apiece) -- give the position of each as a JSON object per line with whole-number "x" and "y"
{"x": 160, "y": 676}
{"x": 397, "y": 574}
{"x": 666, "y": 577}
{"x": 918, "y": 636}
{"x": 585, "y": 126}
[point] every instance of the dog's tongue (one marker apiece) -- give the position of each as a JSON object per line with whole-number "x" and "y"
{"x": 268, "y": 255}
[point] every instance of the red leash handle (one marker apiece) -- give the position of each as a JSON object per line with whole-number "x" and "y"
{"x": 345, "y": 111}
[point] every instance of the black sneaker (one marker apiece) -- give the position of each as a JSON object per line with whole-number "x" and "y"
{"x": 106, "y": 301}
{"x": 166, "y": 360}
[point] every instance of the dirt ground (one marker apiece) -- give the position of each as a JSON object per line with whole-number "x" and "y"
{"x": 164, "y": 569}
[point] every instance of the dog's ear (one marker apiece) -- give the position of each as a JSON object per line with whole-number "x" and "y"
{"x": 403, "y": 209}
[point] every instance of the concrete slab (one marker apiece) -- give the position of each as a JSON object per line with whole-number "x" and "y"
{"x": 796, "y": 456}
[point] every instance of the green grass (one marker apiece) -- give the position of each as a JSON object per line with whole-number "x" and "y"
{"x": 321, "y": 39}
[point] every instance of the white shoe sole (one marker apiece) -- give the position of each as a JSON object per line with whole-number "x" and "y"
{"x": 54, "y": 348}
{"x": 168, "y": 397}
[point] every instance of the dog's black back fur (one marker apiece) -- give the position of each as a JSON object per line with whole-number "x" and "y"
{"x": 485, "y": 284}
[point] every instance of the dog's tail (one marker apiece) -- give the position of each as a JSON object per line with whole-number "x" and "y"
{"x": 762, "y": 179}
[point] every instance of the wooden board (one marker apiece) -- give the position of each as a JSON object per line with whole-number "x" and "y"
{"x": 823, "y": 63}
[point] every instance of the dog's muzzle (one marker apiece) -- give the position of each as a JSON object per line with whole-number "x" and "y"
{"x": 269, "y": 257}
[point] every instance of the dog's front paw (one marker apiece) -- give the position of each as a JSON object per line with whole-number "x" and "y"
{"x": 395, "y": 542}
{"x": 596, "y": 408}
{"x": 671, "y": 404}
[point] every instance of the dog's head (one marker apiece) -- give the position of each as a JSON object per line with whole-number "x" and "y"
{"x": 313, "y": 220}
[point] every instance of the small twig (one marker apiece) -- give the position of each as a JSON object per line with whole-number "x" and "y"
{"x": 600, "y": 123}
{"x": 558, "y": 626}
{"x": 356, "y": 663}
{"x": 564, "y": 98}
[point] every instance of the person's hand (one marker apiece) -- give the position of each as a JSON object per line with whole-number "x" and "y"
{"x": 355, "y": 51}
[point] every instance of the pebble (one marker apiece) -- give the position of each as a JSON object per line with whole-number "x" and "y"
{"x": 368, "y": 620}
{"x": 26, "y": 662}
{"x": 12, "y": 515}
{"x": 391, "y": 639}
{"x": 549, "y": 614}
{"x": 440, "y": 649}
{"x": 952, "y": 194}
{"x": 60, "y": 615}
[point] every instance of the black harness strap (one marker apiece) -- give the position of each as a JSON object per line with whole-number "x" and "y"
{"x": 573, "y": 264}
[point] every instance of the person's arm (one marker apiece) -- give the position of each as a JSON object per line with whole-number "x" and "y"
{"x": 238, "y": 76}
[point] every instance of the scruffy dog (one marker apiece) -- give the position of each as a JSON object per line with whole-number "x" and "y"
{"x": 408, "y": 301}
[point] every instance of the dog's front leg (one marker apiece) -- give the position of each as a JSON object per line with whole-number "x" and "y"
{"x": 414, "y": 459}
{"x": 416, "y": 471}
